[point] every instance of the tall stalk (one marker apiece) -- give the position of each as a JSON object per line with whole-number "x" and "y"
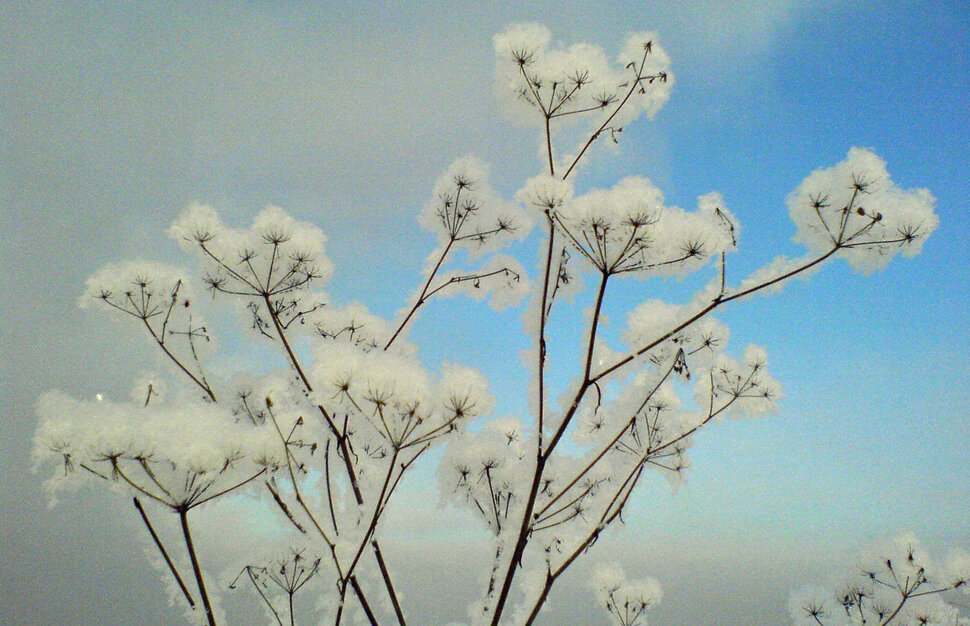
{"x": 196, "y": 568}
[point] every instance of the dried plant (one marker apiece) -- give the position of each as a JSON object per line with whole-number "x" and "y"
{"x": 322, "y": 445}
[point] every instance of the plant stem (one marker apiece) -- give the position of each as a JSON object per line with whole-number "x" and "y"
{"x": 378, "y": 507}
{"x": 524, "y": 528}
{"x": 196, "y": 568}
{"x": 161, "y": 344}
{"x": 344, "y": 453}
{"x": 423, "y": 295}
{"x": 161, "y": 548}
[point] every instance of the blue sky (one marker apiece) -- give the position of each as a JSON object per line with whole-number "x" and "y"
{"x": 117, "y": 116}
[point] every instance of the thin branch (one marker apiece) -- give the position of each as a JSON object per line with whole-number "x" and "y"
{"x": 422, "y": 297}
{"x": 161, "y": 549}
{"x": 284, "y": 508}
{"x": 227, "y": 490}
{"x": 196, "y": 568}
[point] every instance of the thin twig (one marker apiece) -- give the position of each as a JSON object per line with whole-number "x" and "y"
{"x": 161, "y": 548}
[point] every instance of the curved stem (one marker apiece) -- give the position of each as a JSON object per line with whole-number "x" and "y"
{"x": 634, "y": 85}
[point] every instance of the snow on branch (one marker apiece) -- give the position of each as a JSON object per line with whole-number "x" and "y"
{"x": 317, "y": 445}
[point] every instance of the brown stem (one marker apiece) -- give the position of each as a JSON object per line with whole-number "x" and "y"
{"x": 373, "y": 522}
{"x": 348, "y": 463}
{"x": 524, "y": 530}
{"x": 609, "y": 446}
{"x": 423, "y": 296}
{"x": 296, "y": 488}
{"x": 196, "y": 568}
{"x": 358, "y": 591}
{"x": 586, "y": 543}
{"x": 524, "y": 527}
{"x": 610, "y": 513}
{"x": 284, "y": 508}
{"x": 161, "y": 548}
{"x": 161, "y": 344}
{"x": 233, "y": 488}
{"x": 530, "y": 503}
{"x": 326, "y": 473}
{"x": 249, "y": 572}
{"x": 552, "y": 167}
{"x": 898, "y": 608}
{"x": 340, "y": 437}
{"x": 710, "y": 307}
{"x": 634, "y": 85}
{"x": 363, "y": 601}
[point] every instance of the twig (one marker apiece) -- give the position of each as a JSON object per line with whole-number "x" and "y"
{"x": 161, "y": 548}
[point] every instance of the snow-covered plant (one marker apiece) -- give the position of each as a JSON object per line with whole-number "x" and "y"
{"x": 896, "y": 583}
{"x": 625, "y": 601}
{"x": 320, "y": 446}
{"x": 277, "y": 580}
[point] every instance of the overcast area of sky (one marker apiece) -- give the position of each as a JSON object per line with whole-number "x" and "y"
{"x": 116, "y": 116}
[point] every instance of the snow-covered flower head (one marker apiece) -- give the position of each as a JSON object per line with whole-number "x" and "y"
{"x": 389, "y": 395}
{"x": 653, "y": 323}
{"x": 626, "y": 601}
{"x": 856, "y": 207}
{"x": 563, "y": 82}
{"x": 739, "y": 387}
{"x": 486, "y": 471}
{"x": 545, "y": 193}
{"x": 274, "y": 256}
{"x": 896, "y": 583}
{"x": 137, "y": 287}
{"x": 629, "y": 229}
{"x": 555, "y": 86}
{"x": 164, "y": 301}
{"x": 155, "y": 446}
{"x": 465, "y": 211}
{"x": 354, "y": 324}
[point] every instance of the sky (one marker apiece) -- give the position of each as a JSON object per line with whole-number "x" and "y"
{"x": 115, "y": 116}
